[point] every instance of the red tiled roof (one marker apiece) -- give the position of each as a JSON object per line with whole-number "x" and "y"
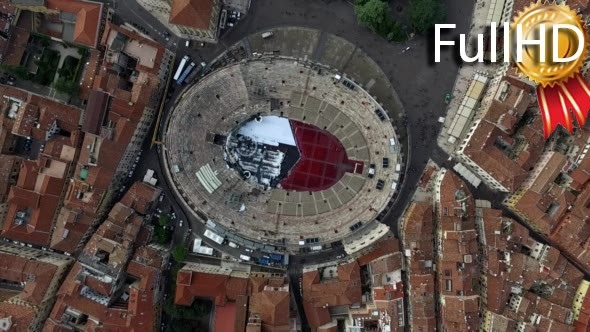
{"x": 316, "y": 316}
{"x": 344, "y": 290}
{"x": 201, "y": 285}
{"x": 272, "y": 306}
{"x": 36, "y": 276}
{"x": 382, "y": 248}
{"x": 88, "y": 15}
{"x": 464, "y": 315}
{"x": 192, "y": 13}
{"x": 140, "y": 196}
{"x": 37, "y": 196}
{"x": 224, "y": 318}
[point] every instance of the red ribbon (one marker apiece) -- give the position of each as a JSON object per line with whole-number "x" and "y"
{"x": 558, "y": 101}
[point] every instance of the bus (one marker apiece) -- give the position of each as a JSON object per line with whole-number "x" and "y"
{"x": 214, "y": 236}
{"x": 185, "y": 73}
{"x": 180, "y": 67}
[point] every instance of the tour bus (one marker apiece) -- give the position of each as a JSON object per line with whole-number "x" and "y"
{"x": 214, "y": 236}
{"x": 180, "y": 67}
{"x": 185, "y": 73}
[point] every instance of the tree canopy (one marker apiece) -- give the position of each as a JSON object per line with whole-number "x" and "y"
{"x": 180, "y": 253}
{"x": 424, "y": 14}
{"x": 66, "y": 86}
{"x": 376, "y": 16}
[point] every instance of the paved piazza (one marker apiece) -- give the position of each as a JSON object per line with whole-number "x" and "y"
{"x": 314, "y": 101}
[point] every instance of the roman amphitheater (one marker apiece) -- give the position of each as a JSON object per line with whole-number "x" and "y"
{"x": 280, "y": 151}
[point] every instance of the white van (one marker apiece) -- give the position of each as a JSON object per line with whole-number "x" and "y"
{"x": 233, "y": 245}
{"x": 267, "y": 34}
{"x": 245, "y": 258}
{"x": 188, "y": 43}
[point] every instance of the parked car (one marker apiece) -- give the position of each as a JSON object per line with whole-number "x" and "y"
{"x": 371, "y": 171}
{"x": 380, "y": 185}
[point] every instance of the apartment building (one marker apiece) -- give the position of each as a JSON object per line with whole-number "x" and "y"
{"x": 504, "y": 145}
{"x": 113, "y": 285}
{"x": 30, "y": 281}
{"x": 117, "y": 119}
{"x": 244, "y": 300}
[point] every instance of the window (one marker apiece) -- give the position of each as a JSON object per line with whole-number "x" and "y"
{"x": 448, "y": 285}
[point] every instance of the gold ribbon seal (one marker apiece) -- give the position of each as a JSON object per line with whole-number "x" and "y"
{"x": 561, "y": 88}
{"x": 548, "y": 73}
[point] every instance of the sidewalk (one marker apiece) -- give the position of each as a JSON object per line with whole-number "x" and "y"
{"x": 466, "y": 73}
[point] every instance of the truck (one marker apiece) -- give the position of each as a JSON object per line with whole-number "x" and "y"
{"x": 264, "y": 261}
{"x": 276, "y": 257}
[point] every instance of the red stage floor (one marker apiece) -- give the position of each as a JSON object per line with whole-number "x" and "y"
{"x": 323, "y": 160}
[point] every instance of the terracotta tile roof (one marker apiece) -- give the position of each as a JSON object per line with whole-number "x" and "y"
{"x": 464, "y": 315}
{"x": 457, "y": 206}
{"x": 15, "y": 48}
{"x": 272, "y": 306}
{"x": 139, "y": 314}
{"x": 388, "y": 292}
{"x": 88, "y": 16}
{"x": 224, "y": 318}
{"x": 418, "y": 228}
{"x": 201, "y": 285}
{"x": 91, "y": 71}
{"x": 71, "y": 226}
{"x": 192, "y": 13}
{"x": 481, "y": 150}
{"x": 21, "y": 316}
{"x": 96, "y": 110}
{"x": 382, "y": 248}
{"x": 33, "y": 202}
{"x": 316, "y": 316}
{"x": 509, "y": 166}
{"x": 421, "y": 297}
{"x": 36, "y": 275}
{"x": 345, "y": 290}
{"x": 140, "y": 197}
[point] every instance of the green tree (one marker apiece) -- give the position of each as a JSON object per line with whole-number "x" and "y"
{"x": 68, "y": 87}
{"x": 164, "y": 220}
{"x": 376, "y": 16}
{"x": 424, "y": 14}
{"x": 180, "y": 253}
{"x": 162, "y": 235}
